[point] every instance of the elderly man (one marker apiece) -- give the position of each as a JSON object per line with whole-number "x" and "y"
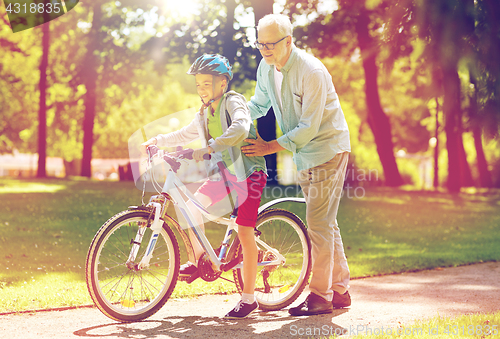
{"x": 307, "y": 109}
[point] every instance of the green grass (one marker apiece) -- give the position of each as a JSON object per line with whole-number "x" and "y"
{"x": 46, "y": 227}
{"x": 390, "y": 231}
{"x": 465, "y": 326}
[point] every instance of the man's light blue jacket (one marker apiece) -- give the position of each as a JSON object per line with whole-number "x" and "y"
{"x": 311, "y": 119}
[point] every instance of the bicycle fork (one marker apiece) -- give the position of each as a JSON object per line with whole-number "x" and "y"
{"x": 159, "y": 205}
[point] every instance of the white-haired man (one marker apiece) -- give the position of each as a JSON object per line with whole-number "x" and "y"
{"x": 300, "y": 90}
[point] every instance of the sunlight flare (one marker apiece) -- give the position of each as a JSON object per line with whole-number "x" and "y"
{"x": 181, "y": 9}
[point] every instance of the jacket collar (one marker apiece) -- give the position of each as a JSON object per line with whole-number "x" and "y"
{"x": 289, "y": 63}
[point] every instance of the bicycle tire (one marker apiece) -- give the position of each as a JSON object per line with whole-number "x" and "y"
{"x": 284, "y": 231}
{"x": 126, "y": 294}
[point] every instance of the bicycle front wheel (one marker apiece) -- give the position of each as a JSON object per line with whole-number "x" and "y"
{"x": 120, "y": 289}
{"x": 277, "y": 286}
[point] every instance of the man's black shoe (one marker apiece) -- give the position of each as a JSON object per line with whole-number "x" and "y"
{"x": 341, "y": 300}
{"x": 313, "y": 305}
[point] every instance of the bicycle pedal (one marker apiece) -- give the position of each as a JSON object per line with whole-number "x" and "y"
{"x": 189, "y": 278}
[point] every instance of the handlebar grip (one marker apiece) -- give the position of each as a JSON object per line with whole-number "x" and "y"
{"x": 152, "y": 150}
{"x": 188, "y": 153}
{"x": 207, "y": 156}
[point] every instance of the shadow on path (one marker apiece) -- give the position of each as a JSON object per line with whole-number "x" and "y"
{"x": 378, "y": 302}
{"x": 258, "y": 325}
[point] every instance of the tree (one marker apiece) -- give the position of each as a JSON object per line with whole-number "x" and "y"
{"x": 484, "y": 76}
{"x": 90, "y": 77}
{"x": 18, "y": 89}
{"x": 213, "y": 30}
{"x": 92, "y": 68}
{"x": 448, "y": 28}
{"x": 228, "y": 32}
{"x": 446, "y": 24}
{"x": 109, "y": 61}
{"x": 486, "y": 65}
{"x": 377, "y": 119}
{"x": 336, "y": 29}
{"x": 266, "y": 125}
{"x": 485, "y": 179}
{"x": 42, "y": 113}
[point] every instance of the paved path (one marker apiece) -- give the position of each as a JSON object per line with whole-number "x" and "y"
{"x": 386, "y": 301}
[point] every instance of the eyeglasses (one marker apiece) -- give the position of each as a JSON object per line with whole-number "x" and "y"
{"x": 268, "y": 46}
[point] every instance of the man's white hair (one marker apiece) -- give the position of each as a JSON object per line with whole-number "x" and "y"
{"x": 284, "y": 25}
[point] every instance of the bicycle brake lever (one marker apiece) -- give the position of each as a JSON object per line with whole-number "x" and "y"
{"x": 175, "y": 165}
{"x": 152, "y": 150}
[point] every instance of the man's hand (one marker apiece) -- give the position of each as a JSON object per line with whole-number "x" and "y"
{"x": 200, "y": 152}
{"x": 259, "y": 147}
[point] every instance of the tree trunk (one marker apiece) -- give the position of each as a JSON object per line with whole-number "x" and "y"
{"x": 465, "y": 172}
{"x": 377, "y": 119}
{"x": 436, "y": 148}
{"x": 468, "y": 21}
{"x": 485, "y": 179}
{"x": 267, "y": 124}
{"x": 261, "y": 8}
{"x": 451, "y": 110}
{"x": 42, "y": 111}
{"x": 229, "y": 46}
{"x": 90, "y": 82}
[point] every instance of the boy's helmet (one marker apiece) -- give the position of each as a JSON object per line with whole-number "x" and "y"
{"x": 214, "y": 64}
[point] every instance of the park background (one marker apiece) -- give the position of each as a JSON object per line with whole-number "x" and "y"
{"x": 418, "y": 82}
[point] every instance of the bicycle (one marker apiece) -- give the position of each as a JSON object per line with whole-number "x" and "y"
{"x": 130, "y": 279}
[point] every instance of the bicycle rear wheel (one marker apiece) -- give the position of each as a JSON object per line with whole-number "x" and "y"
{"x": 124, "y": 292}
{"x": 278, "y": 286}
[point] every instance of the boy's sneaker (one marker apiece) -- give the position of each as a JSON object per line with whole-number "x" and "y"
{"x": 242, "y": 310}
{"x": 188, "y": 269}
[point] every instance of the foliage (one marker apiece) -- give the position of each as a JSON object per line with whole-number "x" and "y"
{"x": 208, "y": 30}
{"x": 138, "y": 110}
{"x": 458, "y": 35}
{"x": 409, "y": 114}
{"x": 138, "y": 46}
{"x": 18, "y": 98}
{"x": 355, "y": 26}
{"x": 125, "y": 80}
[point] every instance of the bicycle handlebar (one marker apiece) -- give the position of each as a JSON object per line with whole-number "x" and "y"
{"x": 173, "y": 158}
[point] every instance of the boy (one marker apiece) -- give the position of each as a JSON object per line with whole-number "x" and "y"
{"x": 223, "y": 124}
